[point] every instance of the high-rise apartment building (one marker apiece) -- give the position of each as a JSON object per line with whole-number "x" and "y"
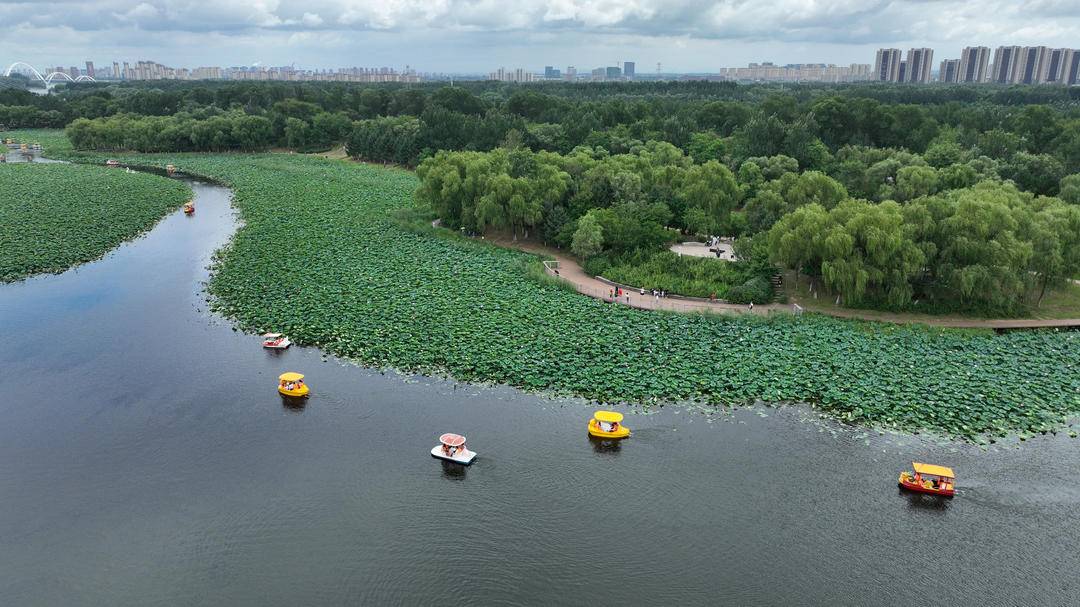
{"x": 919, "y": 61}
{"x": 571, "y": 73}
{"x": 90, "y": 69}
{"x": 973, "y": 61}
{"x": 628, "y": 69}
{"x": 1071, "y": 71}
{"x": 115, "y": 70}
{"x": 1057, "y": 63}
{"x": 1032, "y": 64}
{"x": 1006, "y": 61}
{"x": 887, "y": 65}
{"x": 949, "y": 71}
{"x": 902, "y": 72}
{"x": 613, "y": 73}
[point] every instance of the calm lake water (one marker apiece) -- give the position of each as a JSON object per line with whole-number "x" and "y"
{"x": 146, "y": 459}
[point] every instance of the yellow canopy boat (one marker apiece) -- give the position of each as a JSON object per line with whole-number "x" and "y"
{"x": 608, "y": 424}
{"x": 292, "y": 384}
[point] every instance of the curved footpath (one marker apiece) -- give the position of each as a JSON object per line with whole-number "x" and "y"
{"x": 570, "y": 271}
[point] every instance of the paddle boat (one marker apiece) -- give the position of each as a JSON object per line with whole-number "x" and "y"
{"x": 452, "y": 448}
{"x": 928, "y": 478}
{"x": 189, "y": 207}
{"x": 275, "y": 341}
{"x": 608, "y": 424}
{"x": 170, "y": 170}
{"x": 112, "y": 163}
{"x": 292, "y": 384}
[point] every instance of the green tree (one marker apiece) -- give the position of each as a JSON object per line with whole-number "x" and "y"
{"x": 1070, "y": 189}
{"x": 588, "y": 238}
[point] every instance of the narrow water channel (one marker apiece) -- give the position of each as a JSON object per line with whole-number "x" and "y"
{"x": 146, "y": 459}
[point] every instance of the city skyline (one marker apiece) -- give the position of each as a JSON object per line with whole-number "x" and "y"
{"x": 470, "y": 38}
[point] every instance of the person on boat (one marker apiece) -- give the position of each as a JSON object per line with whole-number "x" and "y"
{"x": 614, "y": 426}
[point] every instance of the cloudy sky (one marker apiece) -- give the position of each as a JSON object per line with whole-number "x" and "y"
{"x": 480, "y": 35}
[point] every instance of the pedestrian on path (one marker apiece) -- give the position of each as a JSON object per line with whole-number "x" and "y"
{"x": 751, "y": 306}
{"x": 656, "y": 294}
{"x": 643, "y": 291}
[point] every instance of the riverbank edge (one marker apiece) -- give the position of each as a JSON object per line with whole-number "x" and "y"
{"x": 828, "y": 411}
{"x": 131, "y": 236}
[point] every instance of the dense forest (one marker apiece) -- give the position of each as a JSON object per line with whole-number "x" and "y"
{"x": 943, "y": 197}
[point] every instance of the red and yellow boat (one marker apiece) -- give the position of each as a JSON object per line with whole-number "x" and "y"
{"x": 928, "y": 478}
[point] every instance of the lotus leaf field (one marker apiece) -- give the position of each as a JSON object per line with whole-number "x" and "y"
{"x": 55, "y": 216}
{"x": 319, "y": 258}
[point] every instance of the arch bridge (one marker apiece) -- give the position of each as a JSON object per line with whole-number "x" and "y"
{"x": 48, "y": 79}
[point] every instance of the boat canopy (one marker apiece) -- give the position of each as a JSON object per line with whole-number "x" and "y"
{"x": 272, "y": 335}
{"x": 452, "y": 440}
{"x": 608, "y": 416}
{"x": 290, "y": 376}
{"x": 932, "y": 470}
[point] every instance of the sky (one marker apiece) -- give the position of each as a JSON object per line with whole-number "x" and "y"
{"x": 478, "y": 36}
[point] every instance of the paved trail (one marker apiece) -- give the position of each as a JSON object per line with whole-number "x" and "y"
{"x": 570, "y": 271}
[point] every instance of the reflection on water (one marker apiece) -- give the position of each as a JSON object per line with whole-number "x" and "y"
{"x": 453, "y": 470}
{"x": 293, "y": 404}
{"x": 605, "y": 446}
{"x": 937, "y": 504}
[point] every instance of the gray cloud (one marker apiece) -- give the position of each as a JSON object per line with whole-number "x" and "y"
{"x": 439, "y": 33}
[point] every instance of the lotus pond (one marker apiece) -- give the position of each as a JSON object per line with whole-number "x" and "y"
{"x": 55, "y": 216}
{"x": 319, "y": 258}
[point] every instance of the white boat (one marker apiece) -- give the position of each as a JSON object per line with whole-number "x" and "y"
{"x": 275, "y": 341}
{"x": 452, "y": 448}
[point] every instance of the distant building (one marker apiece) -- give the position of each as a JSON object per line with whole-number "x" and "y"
{"x": 887, "y": 65}
{"x": 901, "y": 72}
{"x": 551, "y": 73}
{"x": 90, "y": 69}
{"x": 1071, "y": 71}
{"x": 919, "y": 61}
{"x": 599, "y": 73}
{"x": 515, "y": 75}
{"x": 1057, "y": 64}
{"x": 949, "y": 70}
{"x": 973, "y": 61}
{"x": 571, "y": 73}
{"x": 1034, "y": 64}
{"x": 1006, "y": 61}
{"x": 613, "y": 72}
{"x": 797, "y": 72}
{"x": 115, "y": 70}
{"x": 74, "y": 72}
{"x": 628, "y": 68}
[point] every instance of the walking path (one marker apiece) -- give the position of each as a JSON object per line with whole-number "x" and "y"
{"x": 570, "y": 271}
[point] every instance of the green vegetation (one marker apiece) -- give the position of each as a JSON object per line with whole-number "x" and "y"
{"x": 693, "y": 276}
{"x": 56, "y": 216}
{"x": 989, "y": 247}
{"x": 643, "y": 164}
{"x": 321, "y": 258}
